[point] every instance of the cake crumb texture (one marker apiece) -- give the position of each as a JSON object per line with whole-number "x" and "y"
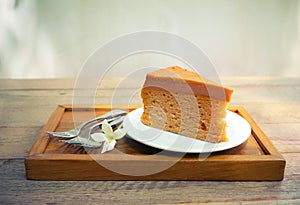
{"x": 194, "y": 116}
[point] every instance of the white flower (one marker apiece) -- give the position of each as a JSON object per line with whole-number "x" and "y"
{"x": 108, "y": 136}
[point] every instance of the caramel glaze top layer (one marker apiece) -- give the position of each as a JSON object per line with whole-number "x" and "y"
{"x": 179, "y": 80}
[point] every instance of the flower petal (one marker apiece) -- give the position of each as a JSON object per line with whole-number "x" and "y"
{"x": 106, "y": 128}
{"x": 98, "y": 137}
{"x": 120, "y": 133}
{"x": 108, "y": 146}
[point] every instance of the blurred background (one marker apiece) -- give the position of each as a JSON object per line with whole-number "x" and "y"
{"x": 54, "y": 38}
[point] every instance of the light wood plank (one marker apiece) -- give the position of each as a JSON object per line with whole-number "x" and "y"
{"x": 273, "y": 112}
{"x": 24, "y": 84}
{"x": 241, "y": 93}
{"x": 16, "y": 142}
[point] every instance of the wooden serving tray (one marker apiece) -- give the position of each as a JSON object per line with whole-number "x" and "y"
{"x": 49, "y": 159}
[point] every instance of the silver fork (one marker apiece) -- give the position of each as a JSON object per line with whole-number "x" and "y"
{"x": 85, "y": 139}
{"x": 76, "y": 131}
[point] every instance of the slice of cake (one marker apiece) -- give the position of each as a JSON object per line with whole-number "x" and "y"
{"x": 183, "y": 102}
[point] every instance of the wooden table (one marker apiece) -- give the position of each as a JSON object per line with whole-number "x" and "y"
{"x": 274, "y": 103}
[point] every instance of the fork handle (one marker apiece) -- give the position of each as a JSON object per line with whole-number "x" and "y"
{"x": 113, "y": 113}
{"x": 112, "y": 122}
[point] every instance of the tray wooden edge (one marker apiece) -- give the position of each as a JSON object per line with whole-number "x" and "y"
{"x": 258, "y": 134}
{"x": 43, "y": 139}
{"x": 227, "y": 170}
{"x": 36, "y": 154}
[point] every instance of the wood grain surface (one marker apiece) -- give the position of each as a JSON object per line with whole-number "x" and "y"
{"x": 49, "y": 159}
{"x": 26, "y": 105}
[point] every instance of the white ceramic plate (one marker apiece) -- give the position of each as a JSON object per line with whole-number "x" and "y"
{"x": 238, "y": 131}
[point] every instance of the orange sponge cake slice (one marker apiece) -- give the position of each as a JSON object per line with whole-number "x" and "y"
{"x": 183, "y": 102}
